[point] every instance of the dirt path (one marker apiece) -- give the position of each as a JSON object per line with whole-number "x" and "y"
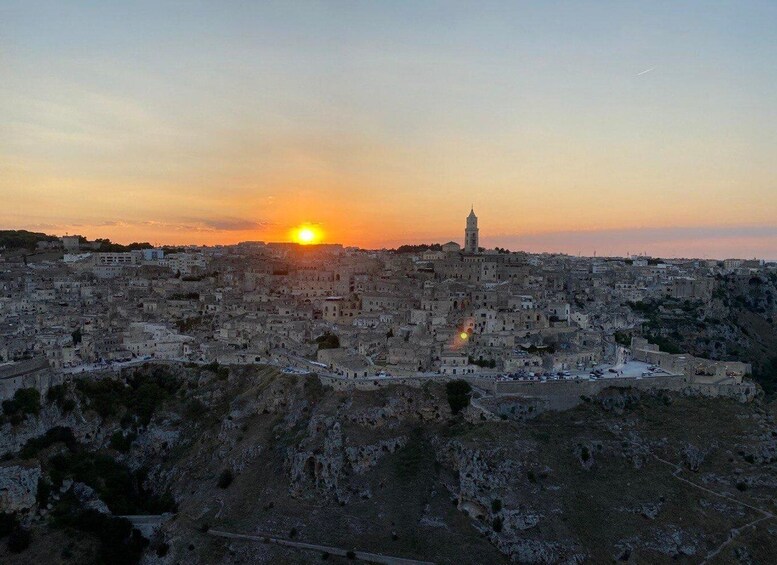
{"x": 733, "y": 533}
{"x": 362, "y": 555}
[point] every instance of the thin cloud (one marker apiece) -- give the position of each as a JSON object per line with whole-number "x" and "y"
{"x": 194, "y": 224}
{"x": 232, "y": 224}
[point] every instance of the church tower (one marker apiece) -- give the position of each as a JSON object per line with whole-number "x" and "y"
{"x": 471, "y": 237}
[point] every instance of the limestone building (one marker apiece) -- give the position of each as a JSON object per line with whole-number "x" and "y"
{"x": 471, "y": 233}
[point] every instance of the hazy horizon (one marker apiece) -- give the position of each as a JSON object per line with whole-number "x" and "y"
{"x": 584, "y": 127}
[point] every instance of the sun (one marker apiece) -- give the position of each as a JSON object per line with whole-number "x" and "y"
{"x": 306, "y": 235}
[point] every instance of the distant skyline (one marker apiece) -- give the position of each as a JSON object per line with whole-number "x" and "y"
{"x": 571, "y": 126}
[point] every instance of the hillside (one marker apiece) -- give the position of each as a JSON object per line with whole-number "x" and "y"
{"x": 738, "y": 324}
{"x": 23, "y": 239}
{"x": 625, "y": 476}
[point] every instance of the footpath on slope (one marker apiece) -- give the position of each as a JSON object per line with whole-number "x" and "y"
{"x": 363, "y": 555}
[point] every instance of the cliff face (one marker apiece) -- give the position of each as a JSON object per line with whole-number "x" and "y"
{"x": 627, "y": 475}
{"x": 738, "y": 324}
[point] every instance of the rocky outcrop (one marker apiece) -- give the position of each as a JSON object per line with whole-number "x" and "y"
{"x": 674, "y": 542}
{"x": 635, "y": 450}
{"x": 323, "y": 459}
{"x": 487, "y": 493}
{"x": 617, "y": 401}
{"x": 18, "y": 486}
{"x": 584, "y": 452}
{"x": 88, "y": 429}
{"x": 408, "y": 405}
{"x": 154, "y": 442}
{"x": 364, "y": 457}
{"x": 88, "y": 498}
{"x": 692, "y": 457}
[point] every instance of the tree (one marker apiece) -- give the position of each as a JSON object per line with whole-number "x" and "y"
{"x": 225, "y": 478}
{"x": 19, "y": 540}
{"x": 25, "y": 401}
{"x": 328, "y": 341}
{"x": 458, "y": 393}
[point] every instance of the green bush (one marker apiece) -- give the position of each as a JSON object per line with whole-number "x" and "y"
{"x": 195, "y": 409}
{"x": 328, "y": 341}
{"x": 25, "y": 401}
{"x": 143, "y": 393}
{"x": 44, "y": 491}
{"x": 119, "y": 487}
{"x": 19, "y": 540}
{"x": 8, "y": 523}
{"x": 222, "y": 372}
{"x": 54, "y": 435}
{"x": 225, "y": 478}
{"x": 458, "y": 393}
{"x": 120, "y": 543}
{"x": 106, "y": 397}
{"x": 496, "y": 505}
{"x": 766, "y": 376}
{"x": 122, "y": 442}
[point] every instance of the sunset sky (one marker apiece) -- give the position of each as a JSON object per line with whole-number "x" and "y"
{"x": 571, "y": 126}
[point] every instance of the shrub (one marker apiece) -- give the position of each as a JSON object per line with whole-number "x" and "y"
{"x": 119, "y": 487}
{"x": 44, "y": 491}
{"x": 496, "y": 505}
{"x": 56, "y": 394}
{"x": 8, "y": 523}
{"x": 139, "y": 398}
{"x": 19, "y": 540}
{"x": 222, "y": 373}
{"x": 105, "y": 397}
{"x": 194, "y": 409}
{"x": 121, "y": 442}
{"x": 328, "y": 341}
{"x": 53, "y": 435}
{"x": 458, "y": 393}
{"x": 120, "y": 543}
{"x": 497, "y": 524}
{"x": 225, "y": 478}
{"x": 25, "y": 401}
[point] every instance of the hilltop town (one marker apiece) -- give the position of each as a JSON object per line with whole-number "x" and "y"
{"x": 366, "y": 315}
{"x": 166, "y": 388}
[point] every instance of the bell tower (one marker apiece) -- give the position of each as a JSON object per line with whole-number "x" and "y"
{"x": 471, "y": 237}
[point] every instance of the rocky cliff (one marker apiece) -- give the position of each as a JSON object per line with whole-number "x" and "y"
{"x": 626, "y": 475}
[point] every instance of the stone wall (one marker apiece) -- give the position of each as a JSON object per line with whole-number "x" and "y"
{"x": 33, "y": 374}
{"x": 562, "y": 395}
